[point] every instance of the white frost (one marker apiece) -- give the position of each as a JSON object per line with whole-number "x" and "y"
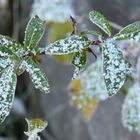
{"x": 92, "y": 82}
{"x": 114, "y": 67}
{"x": 52, "y": 10}
{"x": 131, "y": 109}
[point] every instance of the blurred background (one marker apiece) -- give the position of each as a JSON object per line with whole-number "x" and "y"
{"x": 65, "y": 121}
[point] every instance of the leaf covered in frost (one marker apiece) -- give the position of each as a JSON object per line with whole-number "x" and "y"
{"x": 9, "y": 47}
{"x": 114, "y": 67}
{"x": 34, "y": 32}
{"x": 79, "y": 61}
{"x": 4, "y": 62}
{"x": 100, "y": 21}
{"x": 131, "y": 109}
{"x": 34, "y": 127}
{"x": 68, "y": 45}
{"x": 8, "y": 82}
{"x": 129, "y": 32}
{"x": 38, "y": 77}
{"x": 88, "y": 89}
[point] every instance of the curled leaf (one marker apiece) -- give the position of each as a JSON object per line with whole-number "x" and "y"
{"x": 34, "y": 127}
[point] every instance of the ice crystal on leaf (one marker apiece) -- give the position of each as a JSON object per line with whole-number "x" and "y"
{"x": 52, "y": 10}
{"x": 68, "y": 45}
{"x": 88, "y": 89}
{"x": 114, "y": 67}
{"x": 33, "y": 33}
{"x": 100, "y": 21}
{"x": 4, "y": 62}
{"x": 34, "y": 127}
{"x": 9, "y": 47}
{"x": 79, "y": 61}
{"x": 38, "y": 77}
{"x": 131, "y": 109}
{"x": 92, "y": 82}
{"x": 8, "y": 82}
{"x": 129, "y": 32}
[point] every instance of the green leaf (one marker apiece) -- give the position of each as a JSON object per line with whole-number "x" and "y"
{"x": 38, "y": 77}
{"x": 34, "y": 127}
{"x": 129, "y": 32}
{"x": 9, "y": 47}
{"x": 34, "y": 33}
{"x": 8, "y": 82}
{"x": 114, "y": 67}
{"x": 65, "y": 46}
{"x": 4, "y": 62}
{"x": 100, "y": 21}
{"x": 79, "y": 61}
{"x": 36, "y": 124}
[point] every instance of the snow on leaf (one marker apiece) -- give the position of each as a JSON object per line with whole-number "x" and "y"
{"x": 33, "y": 33}
{"x": 38, "y": 77}
{"x": 88, "y": 89}
{"x": 131, "y": 109}
{"x": 4, "y": 62}
{"x": 132, "y": 31}
{"x": 65, "y": 46}
{"x": 100, "y": 21}
{"x": 114, "y": 67}
{"x": 8, "y": 82}
{"x": 57, "y": 10}
{"x": 9, "y": 47}
{"x": 34, "y": 127}
{"x": 79, "y": 61}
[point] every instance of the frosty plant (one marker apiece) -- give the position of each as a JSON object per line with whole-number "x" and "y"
{"x": 35, "y": 126}
{"x": 15, "y": 58}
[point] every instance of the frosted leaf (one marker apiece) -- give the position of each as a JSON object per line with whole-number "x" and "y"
{"x": 88, "y": 89}
{"x": 79, "y": 61}
{"x": 9, "y": 47}
{"x": 114, "y": 67}
{"x": 129, "y": 32}
{"x": 8, "y": 82}
{"x": 38, "y": 77}
{"x": 4, "y": 62}
{"x": 92, "y": 83}
{"x": 33, "y": 33}
{"x": 131, "y": 109}
{"x": 52, "y": 11}
{"x": 100, "y": 21}
{"x": 34, "y": 127}
{"x": 68, "y": 45}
